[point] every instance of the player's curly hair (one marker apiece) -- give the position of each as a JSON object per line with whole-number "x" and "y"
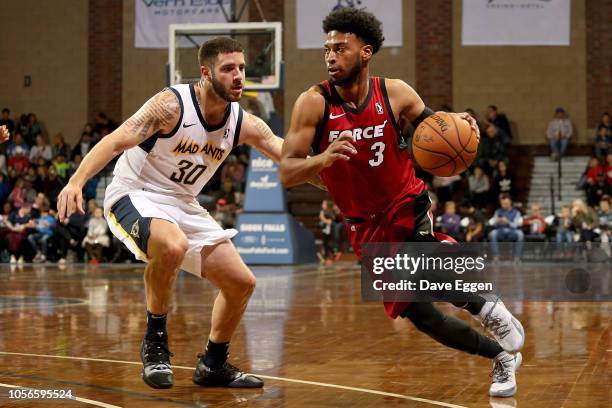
{"x": 362, "y": 23}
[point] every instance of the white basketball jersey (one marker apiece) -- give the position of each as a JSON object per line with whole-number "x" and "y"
{"x": 181, "y": 163}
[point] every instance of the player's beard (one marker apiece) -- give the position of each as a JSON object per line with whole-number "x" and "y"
{"x": 221, "y": 91}
{"x": 352, "y": 75}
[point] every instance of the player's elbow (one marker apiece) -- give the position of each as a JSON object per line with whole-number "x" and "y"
{"x": 284, "y": 174}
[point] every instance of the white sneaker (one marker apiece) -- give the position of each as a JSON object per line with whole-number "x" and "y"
{"x": 20, "y": 260}
{"x": 13, "y": 260}
{"x": 506, "y": 329}
{"x": 504, "y": 374}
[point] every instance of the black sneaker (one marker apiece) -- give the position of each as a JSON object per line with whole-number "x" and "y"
{"x": 155, "y": 356}
{"x": 226, "y": 376}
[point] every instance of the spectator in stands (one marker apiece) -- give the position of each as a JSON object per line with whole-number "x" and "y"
{"x": 592, "y": 170}
{"x": 606, "y": 121}
{"x": 326, "y": 218}
{"x": 5, "y": 120}
{"x": 535, "y": 224}
{"x": 595, "y": 191}
{"x": 584, "y": 221}
{"x": 52, "y": 186}
{"x": 61, "y": 166}
{"x": 69, "y": 235}
{"x": 479, "y": 187}
{"x": 506, "y": 223}
{"x": 338, "y": 227}
{"x": 17, "y": 195}
{"x": 603, "y": 142}
{"x": 97, "y": 237}
{"x": 446, "y": 186}
{"x": 608, "y": 168}
{"x": 450, "y": 222}
{"x": 604, "y": 215}
{"x": 503, "y": 182}
{"x": 228, "y": 193}
{"x": 491, "y": 149}
{"x": 34, "y": 129}
{"x": 559, "y": 132}
{"x": 41, "y": 150}
{"x": 501, "y": 122}
{"x": 39, "y": 239}
{"x": 18, "y": 224}
{"x": 565, "y": 229}
{"x": 474, "y": 222}
{"x": 17, "y": 152}
{"x": 59, "y": 146}
{"x": 223, "y": 214}
{"x": 83, "y": 147}
{"x": 235, "y": 171}
{"x": 103, "y": 122}
{"x": 5, "y": 188}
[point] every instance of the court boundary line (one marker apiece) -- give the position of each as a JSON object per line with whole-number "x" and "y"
{"x": 80, "y": 399}
{"x": 269, "y": 377}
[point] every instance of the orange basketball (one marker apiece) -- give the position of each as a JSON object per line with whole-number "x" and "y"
{"x": 444, "y": 145}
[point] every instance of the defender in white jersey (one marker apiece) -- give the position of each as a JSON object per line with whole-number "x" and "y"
{"x": 171, "y": 147}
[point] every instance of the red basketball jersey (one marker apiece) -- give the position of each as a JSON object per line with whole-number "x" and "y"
{"x": 380, "y": 175}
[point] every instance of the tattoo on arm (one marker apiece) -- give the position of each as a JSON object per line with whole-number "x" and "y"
{"x": 159, "y": 112}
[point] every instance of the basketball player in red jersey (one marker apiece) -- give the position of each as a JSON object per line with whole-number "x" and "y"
{"x": 352, "y": 123}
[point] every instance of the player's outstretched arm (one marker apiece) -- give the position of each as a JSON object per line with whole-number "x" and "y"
{"x": 295, "y": 166}
{"x": 158, "y": 114}
{"x": 257, "y": 133}
{"x": 4, "y": 134}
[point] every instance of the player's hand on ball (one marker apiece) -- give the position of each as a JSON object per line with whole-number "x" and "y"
{"x": 473, "y": 124}
{"x": 4, "y": 134}
{"x": 70, "y": 200}
{"x": 340, "y": 149}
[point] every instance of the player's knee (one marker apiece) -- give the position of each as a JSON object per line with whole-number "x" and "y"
{"x": 425, "y": 317}
{"x": 173, "y": 251}
{"x": 243, "y": 286}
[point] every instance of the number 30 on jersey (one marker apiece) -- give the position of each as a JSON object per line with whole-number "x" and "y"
{"x": 186, "y": 174}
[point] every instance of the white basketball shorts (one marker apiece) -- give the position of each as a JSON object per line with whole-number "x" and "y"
{"x": 129, "y": 212}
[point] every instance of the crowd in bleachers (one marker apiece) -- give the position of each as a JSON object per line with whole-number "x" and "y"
{"x": 34, "y": 171}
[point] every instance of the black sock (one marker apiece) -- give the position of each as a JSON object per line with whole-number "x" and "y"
{"x": 155, "y": 324}
{"x": 216, "y": 354}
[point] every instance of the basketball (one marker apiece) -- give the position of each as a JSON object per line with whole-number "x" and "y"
{"x": 444, "y": 145}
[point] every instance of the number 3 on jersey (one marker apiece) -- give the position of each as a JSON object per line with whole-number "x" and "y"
{"x": 378, "y": 148}
{"x": 181, "y": 176}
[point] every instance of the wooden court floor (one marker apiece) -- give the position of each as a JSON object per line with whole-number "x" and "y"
{"x": 306, "y": 332}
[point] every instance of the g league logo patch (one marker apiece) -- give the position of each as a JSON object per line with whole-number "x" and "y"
{"x": 379, "y": 108}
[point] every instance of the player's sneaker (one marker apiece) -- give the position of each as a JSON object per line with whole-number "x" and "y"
{"x": 504, "y": 374}
{"x": 506, "y": 329}
{"x": 226, "y": 376}
{"x": 155, "y": 356}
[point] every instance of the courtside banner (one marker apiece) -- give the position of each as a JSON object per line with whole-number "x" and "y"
{"x": 516, "y": 22}
{"x": 154, "y": 16}
{"x": 535, "y": 271}
{"x": 311, "y": 13}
